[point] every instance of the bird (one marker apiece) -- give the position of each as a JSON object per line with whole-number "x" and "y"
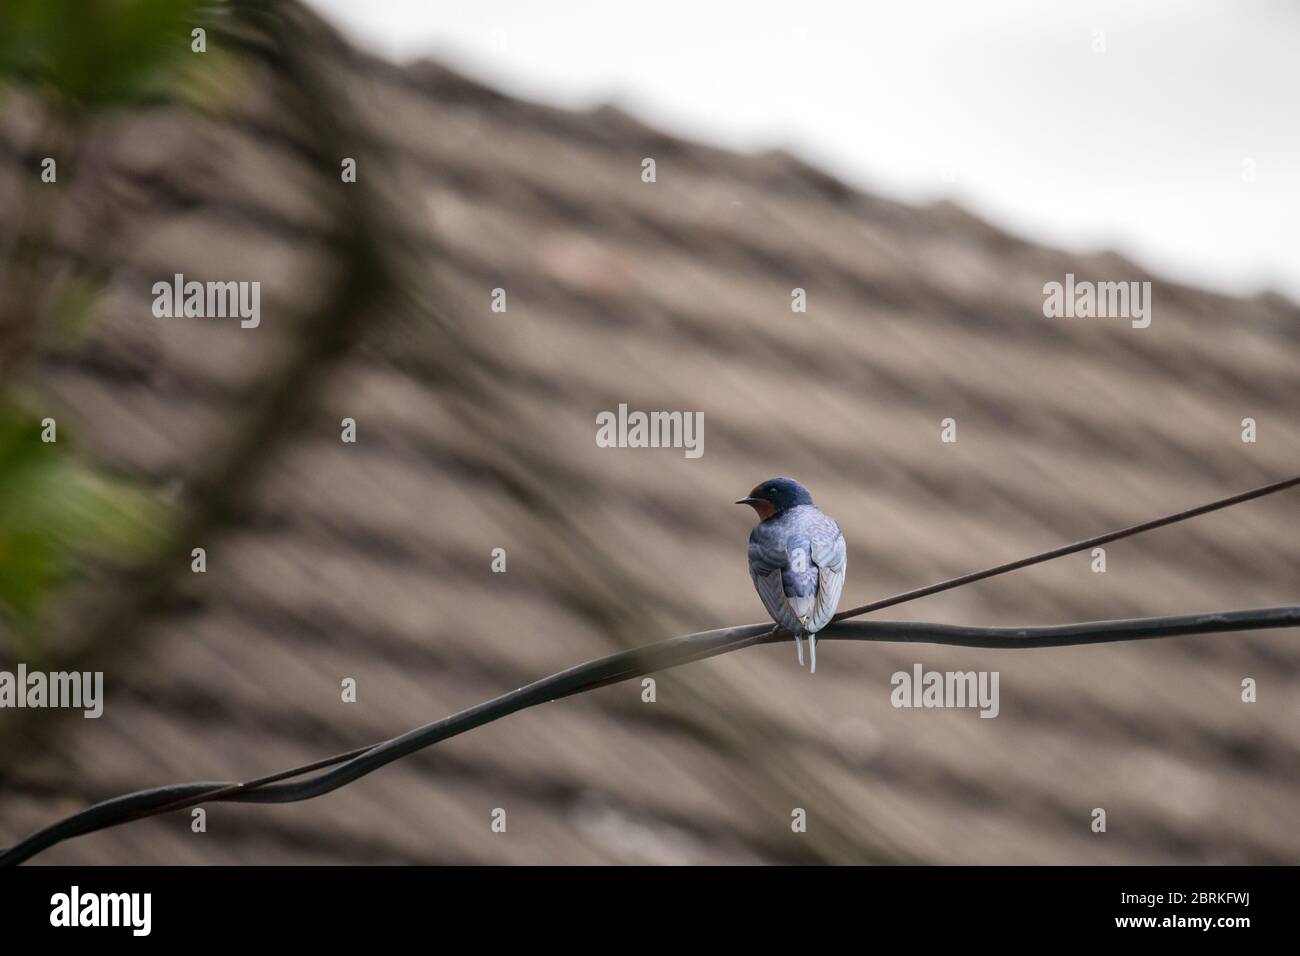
{"x": 797, "y": 559}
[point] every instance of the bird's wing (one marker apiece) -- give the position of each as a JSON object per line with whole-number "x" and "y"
{"x": 772, "y": 593}
{"x": 830, "y": 554}
{"x": 765, "y": 569}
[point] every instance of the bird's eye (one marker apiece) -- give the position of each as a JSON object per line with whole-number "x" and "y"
{"x": 771, "y": 491}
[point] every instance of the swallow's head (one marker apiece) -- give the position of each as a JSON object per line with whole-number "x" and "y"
{"x": 775, "y": 495}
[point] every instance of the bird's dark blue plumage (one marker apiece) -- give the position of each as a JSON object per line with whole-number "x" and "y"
{"x": 797, "y": 559}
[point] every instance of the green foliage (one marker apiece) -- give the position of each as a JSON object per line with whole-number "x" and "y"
{"x": 54, "y": 512}
{"x": 96, "y": 52}
{"x": 56, "y": 515}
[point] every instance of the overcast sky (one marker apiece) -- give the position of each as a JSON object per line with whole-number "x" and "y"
{"x": 1178, "y": 143}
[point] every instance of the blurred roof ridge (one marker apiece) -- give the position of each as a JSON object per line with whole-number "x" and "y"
{"x": 777, "y": 166}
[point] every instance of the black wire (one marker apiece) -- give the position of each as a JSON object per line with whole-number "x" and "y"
{"x": 617, "y": 667}
{"x": 672, "y": 652}
{"x": 1062, "y": 551}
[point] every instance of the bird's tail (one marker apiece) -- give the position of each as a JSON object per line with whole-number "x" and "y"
{"x": 812, "y": 645}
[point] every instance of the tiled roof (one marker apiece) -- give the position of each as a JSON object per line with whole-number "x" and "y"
{"x": 372, "y": 560}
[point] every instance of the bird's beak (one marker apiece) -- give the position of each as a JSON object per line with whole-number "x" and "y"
{"x": 748, "y": 501}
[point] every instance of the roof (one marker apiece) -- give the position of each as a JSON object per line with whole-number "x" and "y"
{"x": 373, "y": 560}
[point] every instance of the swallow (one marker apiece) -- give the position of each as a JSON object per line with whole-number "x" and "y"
{"x": 797, "y": 558}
